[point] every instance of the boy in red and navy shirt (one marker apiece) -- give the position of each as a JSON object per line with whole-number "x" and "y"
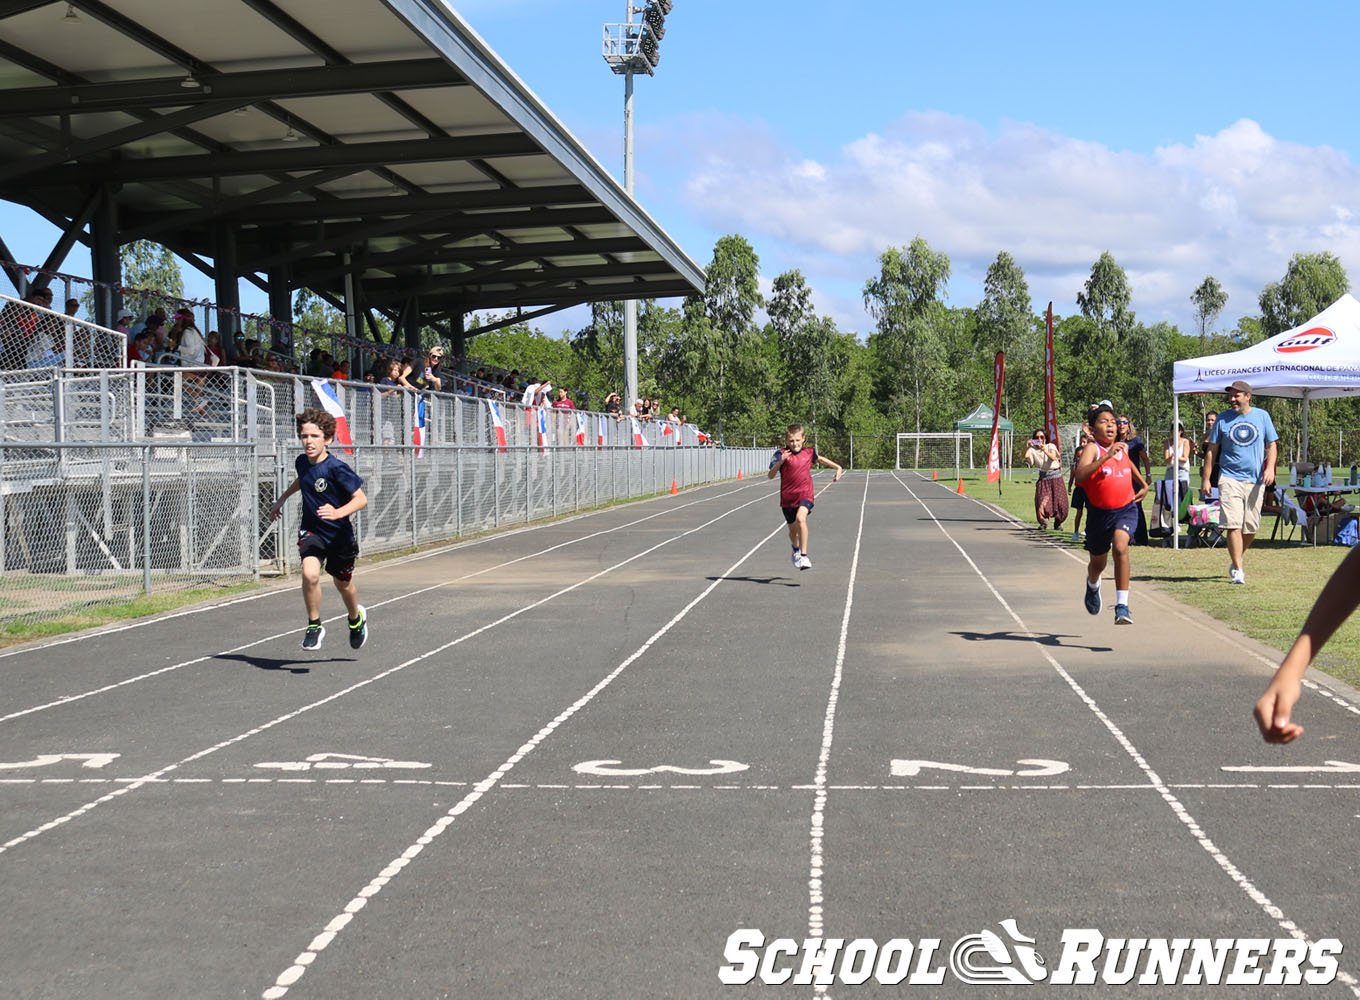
{"x": 1113, "y": 488}
{"x": 794, "y": 464}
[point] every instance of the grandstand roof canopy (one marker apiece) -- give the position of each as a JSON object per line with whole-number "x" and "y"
{"x": 312, "y": 129}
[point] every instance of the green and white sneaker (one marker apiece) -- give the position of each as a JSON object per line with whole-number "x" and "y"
{"x": 358, "y": 631}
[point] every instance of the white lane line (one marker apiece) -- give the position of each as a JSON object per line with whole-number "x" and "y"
{"x": 1196, "y": 831}
{"x": 290, "y": 588}
{"x": 1170, "y": 606}
{"x": 816, "y": 896}
{"x": 434, "y": 783}
{"x": 146, "y": 779}
{"x": 68, "y": 699}
{"x": 290, "y": 976}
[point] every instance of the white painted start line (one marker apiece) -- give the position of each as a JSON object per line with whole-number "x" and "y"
{"x": 1197, "y": 832}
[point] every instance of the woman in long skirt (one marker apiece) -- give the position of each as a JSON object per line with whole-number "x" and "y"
{"x": 1050, "y": 492}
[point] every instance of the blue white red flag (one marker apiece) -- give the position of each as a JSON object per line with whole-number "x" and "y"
{"x": 330, "y": 402}
{"x": 497, "y": 423}
{"x": 638, "y": 439}
{"x": 418, "y": 427}
{"x": 542, "y": 427}
{"x": 580, "y": 428}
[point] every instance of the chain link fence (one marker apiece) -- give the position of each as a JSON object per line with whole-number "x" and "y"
{"x": 87, "y": 524}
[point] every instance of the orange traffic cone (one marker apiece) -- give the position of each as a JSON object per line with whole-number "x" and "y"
{"x": 934, "y": 474}
{"x": 674, "y": 488}
{"x": 960, "y": 489}
{"x": 738, "y": 473}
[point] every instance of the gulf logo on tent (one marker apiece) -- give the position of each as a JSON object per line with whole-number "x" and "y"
{"x": 1318, "y": 336}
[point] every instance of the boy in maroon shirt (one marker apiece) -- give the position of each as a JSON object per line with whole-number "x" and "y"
{"x": 794, "y": 464}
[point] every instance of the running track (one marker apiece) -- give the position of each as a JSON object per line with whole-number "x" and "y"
{"x": 574, "y": 758}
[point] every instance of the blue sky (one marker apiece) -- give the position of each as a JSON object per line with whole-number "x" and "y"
{"x": 1212, "y": 138}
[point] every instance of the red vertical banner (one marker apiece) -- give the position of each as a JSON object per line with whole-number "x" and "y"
{"x": 994, "y": 453}
{"x": 1050, "y": 399}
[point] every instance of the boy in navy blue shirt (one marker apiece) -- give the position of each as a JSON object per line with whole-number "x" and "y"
{"x": 331, "y": 492}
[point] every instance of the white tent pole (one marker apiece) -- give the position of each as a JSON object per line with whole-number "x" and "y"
{"x": 1304, "y": 456}
{"x": 1176, "y": 471}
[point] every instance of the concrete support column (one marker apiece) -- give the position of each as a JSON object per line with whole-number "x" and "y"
{"x": 227, "y": 290}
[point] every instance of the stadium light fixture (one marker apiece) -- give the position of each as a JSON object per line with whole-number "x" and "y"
{"x": 634, "y": 47}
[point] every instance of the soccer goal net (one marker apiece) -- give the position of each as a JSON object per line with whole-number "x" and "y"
{"x": 950, "y": 451}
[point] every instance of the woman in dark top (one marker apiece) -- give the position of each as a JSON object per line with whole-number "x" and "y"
{"x": 1126, "y": 432}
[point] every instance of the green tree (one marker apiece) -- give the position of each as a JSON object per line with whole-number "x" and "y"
{"x": 151, "y": 270}
{"x": 1003, "y": 316}
{"x": 719, "y": 324}
{"x": 1106, "y": 298}
{"x": 904, "y": 300}
{"x": 1311, "y": 283}
{"x": 1209, "y": 299}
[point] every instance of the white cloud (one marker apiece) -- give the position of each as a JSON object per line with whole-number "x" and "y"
{"x": 1236, "y": 204}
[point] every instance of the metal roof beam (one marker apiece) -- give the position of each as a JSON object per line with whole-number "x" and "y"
{"x": 361, "y": 154}
{"x": 358, "y": 208}
{"x": 243, "y": 88}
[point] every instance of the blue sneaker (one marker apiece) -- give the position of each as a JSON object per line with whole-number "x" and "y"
{"x": 1121, "y": 615}
{"x": 1093, "y": 604}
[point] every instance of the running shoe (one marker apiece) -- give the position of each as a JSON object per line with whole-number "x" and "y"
{"x": 1076, "y": 536}
{"x": 804, "y": 562}
{"x": 358, "y": 631}
{"x": 796, "y": 556}
{"x": 1236, "y": 576}
{"x": 1121, "y": 615}
{"x": 1093, "y": 604}
{"x": 311, "y": 639}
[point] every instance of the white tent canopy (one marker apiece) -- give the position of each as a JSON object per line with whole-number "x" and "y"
{"x": 1316, "y": 359}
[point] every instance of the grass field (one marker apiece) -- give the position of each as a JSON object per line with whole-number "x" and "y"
{"x": 1283, "y": 579}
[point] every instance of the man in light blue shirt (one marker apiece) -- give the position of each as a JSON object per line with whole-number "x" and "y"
{"x": 1242, "y": 446}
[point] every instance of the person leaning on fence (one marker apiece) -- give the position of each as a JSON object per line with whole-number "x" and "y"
{"x": 1050, "y": 495}
{"x": 18, "y": 328}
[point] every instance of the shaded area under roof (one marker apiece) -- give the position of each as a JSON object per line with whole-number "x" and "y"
{"x": 307, "y": 143}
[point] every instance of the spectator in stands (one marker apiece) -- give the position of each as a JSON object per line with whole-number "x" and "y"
{"x": 562, "y": 402}
{"x": 189, "y": 343}
{"x": 428, "y": 379}
{"x": 18, "y": 327}
{"x": 124, "y": 324}
{"x": 141, "y": 347}
{"x": 341, "y": 373}
{"x": 674, "y": 416}
{"x": 212, "y": 349}
{"x": 73, "y": 307}
{"x": 391, "y": 380}
{"x": 613, "y": 405}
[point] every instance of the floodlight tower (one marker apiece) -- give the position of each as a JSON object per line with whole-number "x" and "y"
{"x": 633, "y": 47}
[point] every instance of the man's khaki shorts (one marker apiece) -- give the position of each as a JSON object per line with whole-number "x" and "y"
{"x": 1239, "y": 505}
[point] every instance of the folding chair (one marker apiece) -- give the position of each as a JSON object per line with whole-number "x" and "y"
{"x": 1293, "y": 516}
{"x": 1204, "y": 529}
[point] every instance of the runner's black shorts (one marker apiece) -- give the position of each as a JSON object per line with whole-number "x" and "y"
{"x": 337, "y": 557}
{"x": 791, "y": 513}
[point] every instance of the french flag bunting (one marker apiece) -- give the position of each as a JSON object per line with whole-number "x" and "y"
{"x": 667, "y": 428}
{"x": 580, "y": 428}
{"x": 330, "y": 402}
{"x": 497, "y": 423}
{"x": 699, "y": 435}
{"x": 599, "y": 432}
{"x": 638, "y": 439}
{"x": 418, "y": 428}
{"x": 542, "y": 427}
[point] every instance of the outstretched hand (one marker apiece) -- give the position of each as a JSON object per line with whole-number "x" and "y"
{"x": 1273, "y": 711}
